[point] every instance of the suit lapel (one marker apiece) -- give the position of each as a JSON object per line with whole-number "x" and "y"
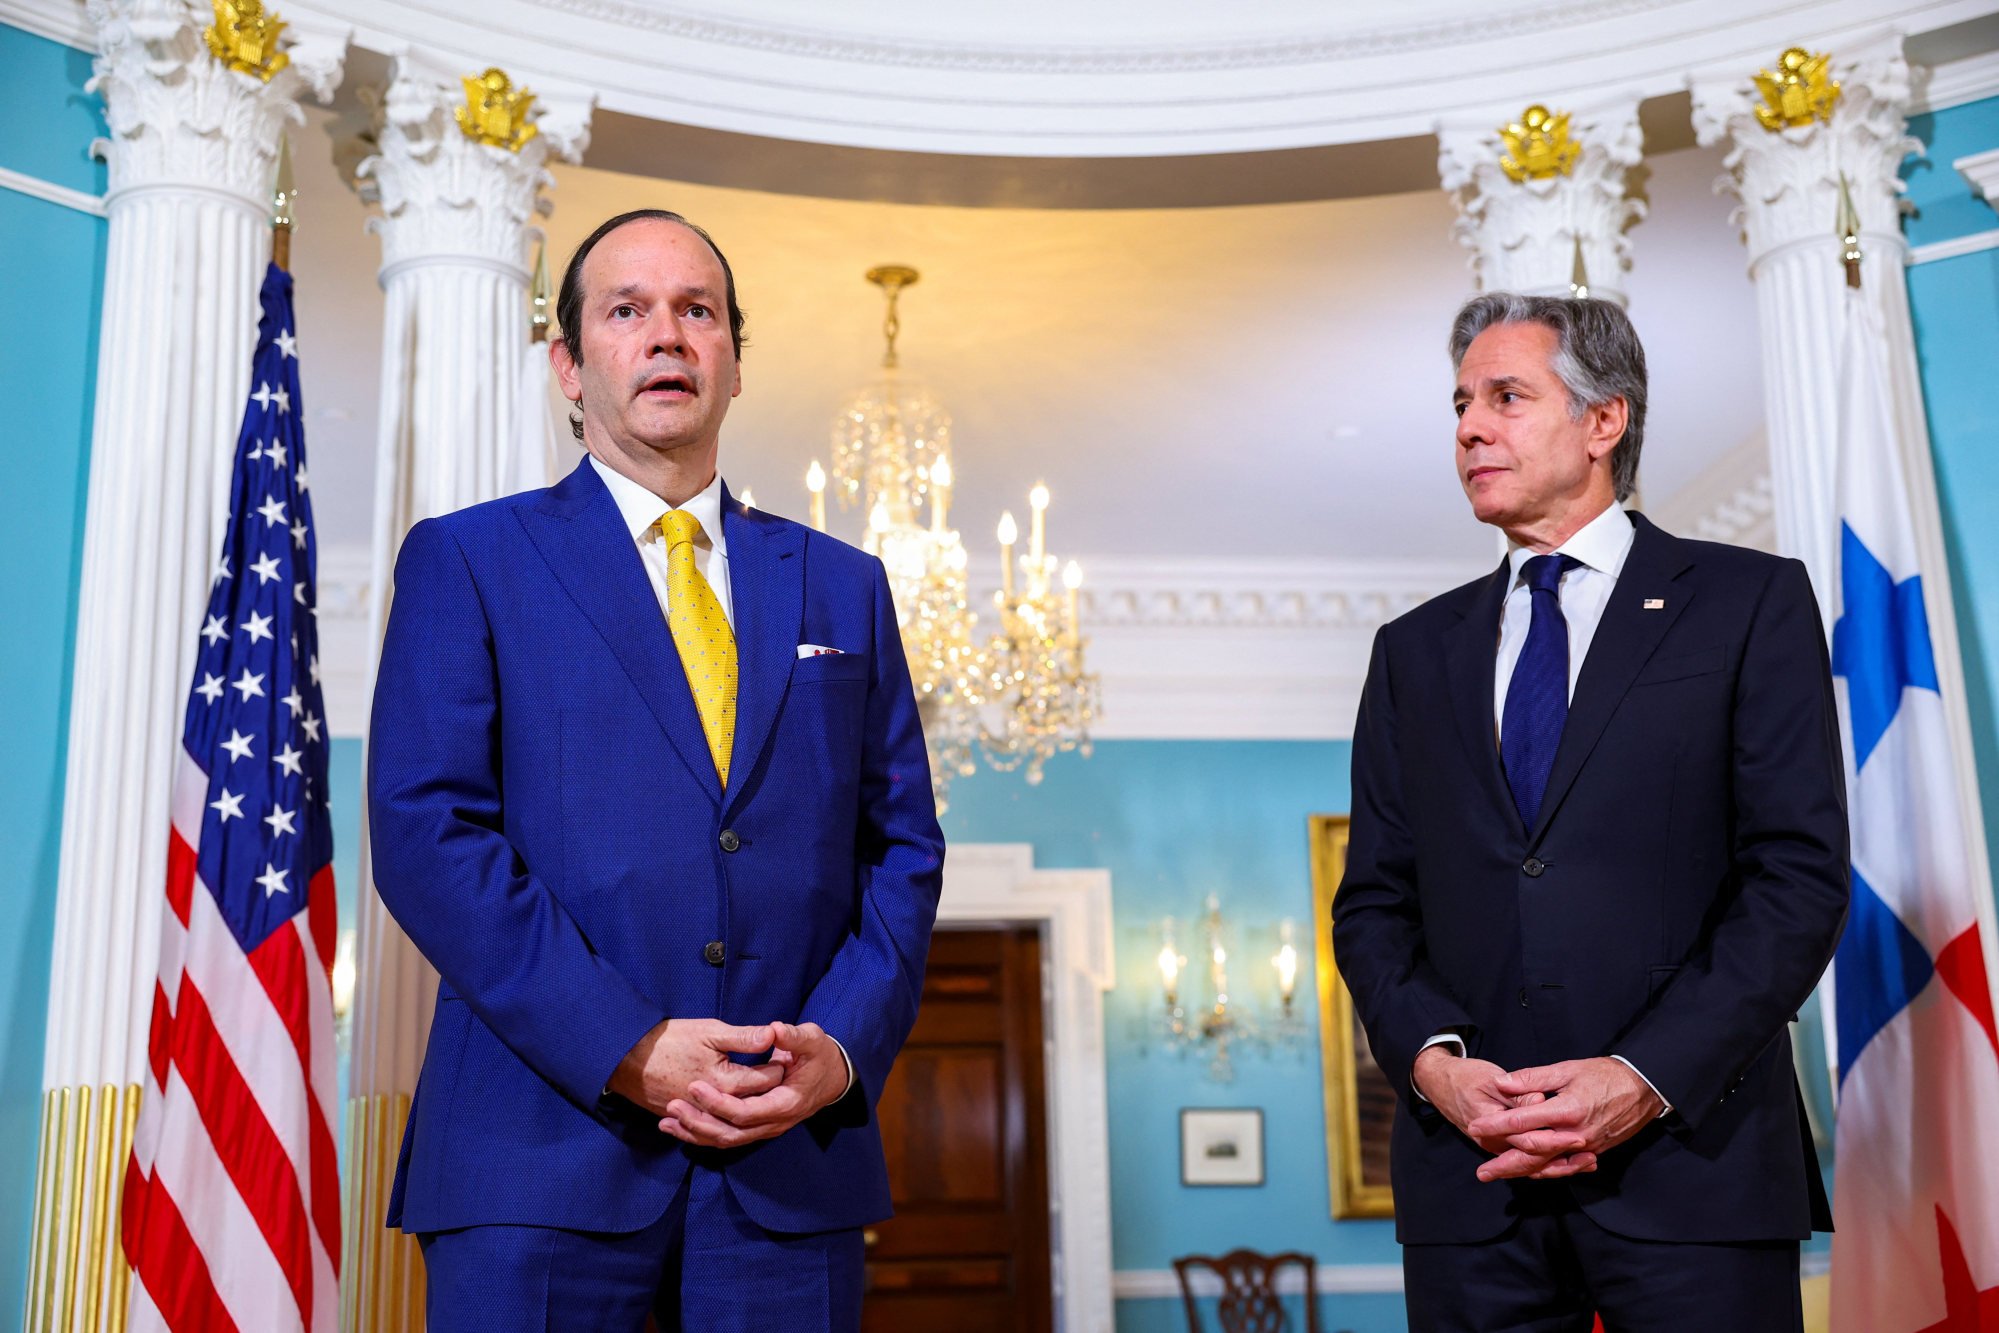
{"x": 767, "y": 589}
{"x": 1625, "y": 640}
{"x": 1471, "y": 650}
{"x": 581, "y": 535}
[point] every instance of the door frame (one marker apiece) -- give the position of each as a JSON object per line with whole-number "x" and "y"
{"x": 996, "y": 884}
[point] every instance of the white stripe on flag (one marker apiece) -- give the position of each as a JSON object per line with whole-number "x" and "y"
{"x": 245, "y": 1270}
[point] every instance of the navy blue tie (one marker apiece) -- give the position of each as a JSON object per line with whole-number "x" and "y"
{"x": 1537, "y": 700}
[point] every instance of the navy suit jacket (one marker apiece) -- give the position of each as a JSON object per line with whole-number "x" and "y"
{"x": 548, "y": 827}
{"x": 1678, "y": 899}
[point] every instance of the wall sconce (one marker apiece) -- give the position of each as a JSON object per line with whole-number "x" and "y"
{"x": 1223, "y": 1022}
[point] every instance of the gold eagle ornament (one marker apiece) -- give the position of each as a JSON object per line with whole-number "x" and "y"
{"x": 496, "y": 112}
{"x": 1538, "y": 146}
{"x": 244, "y": 37}
{"x": 1799, "y": 91}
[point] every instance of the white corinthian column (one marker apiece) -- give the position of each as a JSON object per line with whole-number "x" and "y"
{"x": 456, "y": 226}
{"x": 193, "y": 155}
{"x": 1525, "y": 234}
{"x": 1788, "y": 180}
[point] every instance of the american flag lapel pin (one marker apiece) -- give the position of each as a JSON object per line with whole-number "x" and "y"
{"x": 1655, "y": 604}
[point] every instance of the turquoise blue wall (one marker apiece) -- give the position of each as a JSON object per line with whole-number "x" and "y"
{"x": 55, "y": 268}
{"x": 1955, "y": 305}
{"x": 1174, "y": 821}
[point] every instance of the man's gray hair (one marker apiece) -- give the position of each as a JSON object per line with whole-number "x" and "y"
{"x": 1597, "y": 358}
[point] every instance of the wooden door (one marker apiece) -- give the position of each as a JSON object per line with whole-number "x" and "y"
{"x": 964, "y": 1121}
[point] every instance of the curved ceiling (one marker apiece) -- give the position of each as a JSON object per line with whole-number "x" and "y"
{"x": 1112, "y": 78}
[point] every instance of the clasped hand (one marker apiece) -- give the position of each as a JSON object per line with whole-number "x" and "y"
{"x": 681, "y": 1072}
{"x": 1542, "y": 1123}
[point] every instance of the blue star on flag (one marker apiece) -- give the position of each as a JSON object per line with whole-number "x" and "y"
{"x": 1881, "y": 642}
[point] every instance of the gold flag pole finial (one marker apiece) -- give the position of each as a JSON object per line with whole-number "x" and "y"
{"x": 1579, "y": 275}
{"x": 538, "y": 323}
{"x": 1848, "y": 230}
{"x": 282, "y": 196}
{"x": 1797, "y": 92}
{"x": 1538, "y": 146}
{"x": 496, "y": 112}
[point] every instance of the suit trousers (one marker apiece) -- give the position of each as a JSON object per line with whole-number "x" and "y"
{"x": 1554, "y": 1270}
{"x": 704, "y": 1265}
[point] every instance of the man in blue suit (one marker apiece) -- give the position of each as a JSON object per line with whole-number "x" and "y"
{"x": 1598, "y": 859}
{"x": 648, "y": 788}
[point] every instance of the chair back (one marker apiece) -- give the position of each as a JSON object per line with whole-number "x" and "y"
{"x": 1249, "y": 1301}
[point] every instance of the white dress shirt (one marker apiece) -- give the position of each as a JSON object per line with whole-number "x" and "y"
{"x": 1600, "y": 548}
{"x": 642, "y": 511}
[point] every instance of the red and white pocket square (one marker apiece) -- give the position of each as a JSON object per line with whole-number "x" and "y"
{"x": 806, "y": 650}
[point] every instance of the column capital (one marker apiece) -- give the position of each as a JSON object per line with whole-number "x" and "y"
{"x": 1788, "y": 178}
{"x": 445, "y": 195}
{"x": 1523, "y": 227}
{"x": 182, "y": 119}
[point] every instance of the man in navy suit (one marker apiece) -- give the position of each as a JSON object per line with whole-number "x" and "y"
{"x": 1598, "y": 859}
{"x": 649, "y": 790}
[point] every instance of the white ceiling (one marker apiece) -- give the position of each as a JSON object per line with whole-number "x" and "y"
{"x": 1252, "y": 381}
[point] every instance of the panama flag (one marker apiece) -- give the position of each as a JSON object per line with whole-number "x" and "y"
{"x": 1917, "y": 1191}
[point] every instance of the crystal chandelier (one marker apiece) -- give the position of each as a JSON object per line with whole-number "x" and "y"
{"x": 1022, "y": 696}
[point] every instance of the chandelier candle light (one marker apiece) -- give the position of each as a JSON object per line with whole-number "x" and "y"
{"x": 1225, "y": 1023}
{"x": 1021, "y": 697}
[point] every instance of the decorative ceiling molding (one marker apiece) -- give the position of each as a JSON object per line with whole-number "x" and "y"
{"x": 58, "y": 20}
{"x": 1954, "y": 83}
{"x": 1051, "y": 58}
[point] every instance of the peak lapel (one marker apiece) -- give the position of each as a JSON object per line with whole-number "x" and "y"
{"x": 1625, "y": 640}
{"x": 767, "y": 587}
{"x": 1471, "y": 654}
{"x": 581, "y": 535}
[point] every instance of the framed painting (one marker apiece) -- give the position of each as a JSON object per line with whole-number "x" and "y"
{"x": 1360, "y": 1103}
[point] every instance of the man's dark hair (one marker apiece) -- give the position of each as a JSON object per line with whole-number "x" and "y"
{"x": 1597, "y": 358}
{"x": 569, "y": 302}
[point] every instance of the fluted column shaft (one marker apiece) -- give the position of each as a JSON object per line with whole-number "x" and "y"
{"x": 192, "y": 154}
{"x": 456, "y": 224}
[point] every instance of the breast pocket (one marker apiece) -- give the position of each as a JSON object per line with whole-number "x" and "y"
{"x": 1681, "y": 666}
{"x": 830, "y": 669}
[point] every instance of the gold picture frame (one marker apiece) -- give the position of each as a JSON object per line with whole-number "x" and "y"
{"x": 1360, "y": 1102}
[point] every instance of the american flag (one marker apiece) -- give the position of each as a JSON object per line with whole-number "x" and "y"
{"x": 231, "y": 1214}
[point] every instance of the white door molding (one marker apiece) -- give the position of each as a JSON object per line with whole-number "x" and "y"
{"x": 996, "y": 884}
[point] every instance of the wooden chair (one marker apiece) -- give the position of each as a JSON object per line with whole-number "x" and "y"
{"x": 1249, "y": 1302}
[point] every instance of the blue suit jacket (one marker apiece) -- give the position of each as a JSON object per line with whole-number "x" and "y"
{"x": 1676, "y": 901}
{"x": 547, "y": 825}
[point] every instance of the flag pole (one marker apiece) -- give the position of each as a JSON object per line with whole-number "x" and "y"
{"x": 281, "y": 207}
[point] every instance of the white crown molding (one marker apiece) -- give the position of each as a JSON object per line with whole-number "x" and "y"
{"x": 58, "y": 20}
{"x": 1955, "y": 246}
{"x": 49, "y": 192}
{"x": 1731, "y": 501}
{"x": 1982, "y": 170}
{"x": 1956, "y": 82}
{"x": 1188, "y": 650}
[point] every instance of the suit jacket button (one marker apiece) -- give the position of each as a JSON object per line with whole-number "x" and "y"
{"x": 1533, "y": 866}
{"x": 730, "y": 840}
{"x": 715, "y": 952}
{"x": 1523, "y": 998}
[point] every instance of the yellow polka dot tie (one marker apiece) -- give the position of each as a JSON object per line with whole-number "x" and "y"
{"x": 701, "y": 632}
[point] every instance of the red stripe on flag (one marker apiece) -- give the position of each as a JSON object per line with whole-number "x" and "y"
{"x": 322, "y": 913}
{"x": 161, "y": 1036}
{"x": 173, "y": 1268}
{"x": 131, "y": 1210}
{"x": 180, "y": 874}
{"x": 1961, "y": 964}
{"x": 257, "y": 1163}
{"x": 280, "y": 964}
{"x": 325, "y": 1185}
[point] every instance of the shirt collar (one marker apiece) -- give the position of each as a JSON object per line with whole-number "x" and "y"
{"x": 642, "y": 510}
{"x": 1600, "y": 544}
